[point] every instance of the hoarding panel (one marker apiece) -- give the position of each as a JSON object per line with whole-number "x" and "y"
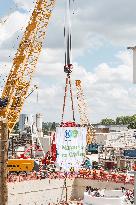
{"x": 71, "y": 145}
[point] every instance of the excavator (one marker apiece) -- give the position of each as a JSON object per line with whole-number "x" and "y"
{"x": 23, "y": 163}
{"x": 24, "y": 63}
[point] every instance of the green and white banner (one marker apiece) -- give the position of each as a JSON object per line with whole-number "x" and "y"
{"x": 71, "y": 145}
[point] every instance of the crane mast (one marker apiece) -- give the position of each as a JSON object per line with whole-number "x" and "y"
{"x": 81, "y": 104}
{"x": 84, "y": 121}
{"x": 18, "y": 82}
{"x": 25, "y": 60}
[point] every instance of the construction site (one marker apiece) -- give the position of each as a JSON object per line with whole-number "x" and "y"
{"x": 76, "y": 162}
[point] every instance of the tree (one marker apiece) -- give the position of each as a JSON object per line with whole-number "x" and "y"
{"x": 132, "y": 125}
{"x": 16, "y": 128}
{"x": 107, "y": 121}
{"x": 45, "y": 128}
{"x": 125, "y": 120}
{"x": 130, "y": 121}
{"x": 119, "y": 120}
{"x": 49, "y": 126}
{"x": 53, "y": 126}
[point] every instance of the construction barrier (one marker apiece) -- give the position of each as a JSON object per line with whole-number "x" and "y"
{"x": 93, "y": 175}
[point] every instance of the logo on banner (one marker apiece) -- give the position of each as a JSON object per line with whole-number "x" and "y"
{"x": 69, "y": 134}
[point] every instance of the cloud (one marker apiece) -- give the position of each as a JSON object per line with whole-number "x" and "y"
{"x": 108, "y": 90}
{"x": 114, "y": 20}
{"x": 15, "y": 22}
{"x": 82, "y": 38}
{"x": 26, "y": 5}
{"x": 93, "y": 22}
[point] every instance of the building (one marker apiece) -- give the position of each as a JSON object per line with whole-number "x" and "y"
{"x": 31, "y": 124}
{"x": 112, "y": 128}
{"x": 121, "y": 139}
{"x": 101, "y": 138}
{"x": 25, "y": 121}
{"x": 30, "y": 127}
{"x": 115, "y": 146}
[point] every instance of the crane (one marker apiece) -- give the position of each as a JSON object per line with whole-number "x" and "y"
{"x": 37, "y": 148}
{"x": 24, "y": 62}
{"x": 35, "y": 87}
{"x": 84, "y": 121}
{"x": 18, "y": 81}
{"x": 68, "y": 67}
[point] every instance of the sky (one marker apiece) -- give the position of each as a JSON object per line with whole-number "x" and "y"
{"x": 101, "y": 32}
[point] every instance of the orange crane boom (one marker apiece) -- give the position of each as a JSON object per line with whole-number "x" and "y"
{"x": 81, "y": 104}
{"x": 84, "y": 121}
{"x": 25, "y": 61}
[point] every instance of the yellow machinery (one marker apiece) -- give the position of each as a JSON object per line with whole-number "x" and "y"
{"x": 24, "y": 62}
{"x": 84, "y": 121}
{"x": 18, "y": 83}
{"x": 20, "y": 165}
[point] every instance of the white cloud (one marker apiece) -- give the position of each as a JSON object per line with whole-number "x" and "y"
{"x": 93, "y": 22}
{"x": 15, "y": 22}
{"x": 108, "y": 90}
{"x": 25, "y": 4}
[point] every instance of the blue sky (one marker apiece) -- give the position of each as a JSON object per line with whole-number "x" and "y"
{"x": 100, "y": 56}
{"x": 6, "y": 7}
{"x": 106, "y": 53}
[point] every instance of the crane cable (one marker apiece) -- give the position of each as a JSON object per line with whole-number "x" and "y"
{"x": 68, "y": 30}
{"x": 67, "y": 33}
{"x": 68, "y": 55}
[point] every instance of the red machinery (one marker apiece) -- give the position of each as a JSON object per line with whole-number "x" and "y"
{"x": 54, "y": 149}
{"x": 69, "y": 124}
{"x": 49, "y": 158}
{"x": 37, "y": 148}
{"x": 134, "y": 167}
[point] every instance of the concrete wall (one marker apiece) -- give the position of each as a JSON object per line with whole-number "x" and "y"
{"x": 121, "y": 139}
{"x": 101, "y": 138}
{"x": 41, "y": 192}
{"x": 81, "y": 184}
{"x": 102, "y": 200}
